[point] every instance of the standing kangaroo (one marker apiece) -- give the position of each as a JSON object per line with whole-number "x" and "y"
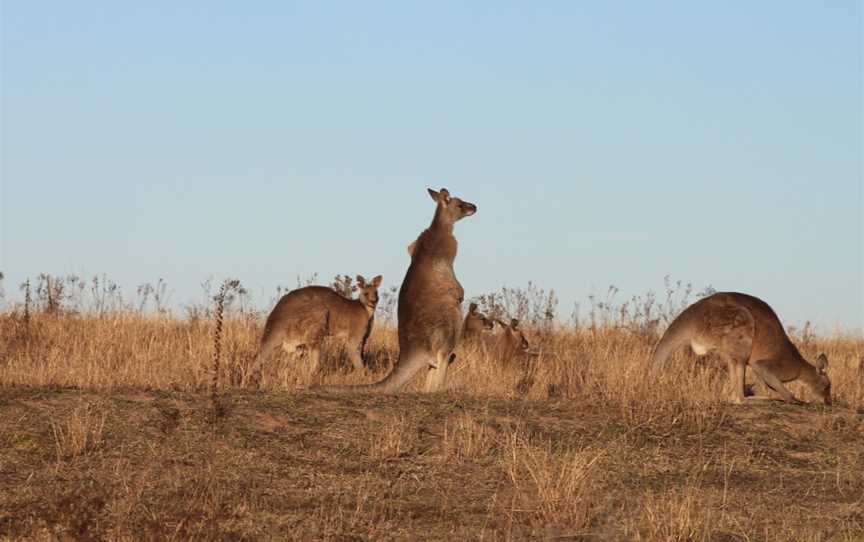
{"x": 430, "y": 317}
{"x": 304, "y": 317}
{"x": 475, "y": 324}
{"x": 744, "y": 331}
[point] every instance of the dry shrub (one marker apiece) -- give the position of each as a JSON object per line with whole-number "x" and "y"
{"x": 676, "y": 515}
{"x": 80, "y": 432}
{"x": 554, "y": 488}
{"x": 466, "y": 438}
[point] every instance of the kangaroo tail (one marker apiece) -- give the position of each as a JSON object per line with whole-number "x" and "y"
{"x": 404, "y": 370}
{"x": 677, "y": 335}
{"x": 256, "y": 367}
{"x": 271, "y": 341}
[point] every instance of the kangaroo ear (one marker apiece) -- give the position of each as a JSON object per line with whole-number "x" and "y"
{"x": 435, "y": 195}
{"x": 822, "y": 363}
{"x": 472, "y": 308}
{"x": 376, "y": 282}
{"x": 361, "y": 282}
{"x": 445, "y": 194}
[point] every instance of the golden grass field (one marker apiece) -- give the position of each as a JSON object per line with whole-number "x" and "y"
{"x": 109, "y": 433}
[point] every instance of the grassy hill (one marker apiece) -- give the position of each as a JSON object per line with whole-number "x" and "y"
{"x": 107, "y": 431}
{"x": 93, "y": 465}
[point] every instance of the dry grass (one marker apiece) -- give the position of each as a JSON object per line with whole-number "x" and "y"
{"x": 554, "y": 489}
{"x": 125, "y": 350}
{"x": 108, "y": 434}
{"x": 78, "y": 432}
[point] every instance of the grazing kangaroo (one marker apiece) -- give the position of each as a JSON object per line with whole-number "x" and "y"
{"x": 304, "y": 317}
{"x": 744, "y": 331}
{"x": 511, "y": 342}
{"x": 475, "y": 324}
{"x": 429, "y": 313}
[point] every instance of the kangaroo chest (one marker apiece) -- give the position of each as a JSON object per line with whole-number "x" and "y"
{"x": 445, "y": 281}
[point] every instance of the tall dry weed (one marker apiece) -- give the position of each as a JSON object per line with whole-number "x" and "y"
{"x": 602, "y": 363}
{"x": 80, "y": 432}
{"x": 556, "y": 489}
{"x": 679, "y": 515}
{"x": 467, "y": 438}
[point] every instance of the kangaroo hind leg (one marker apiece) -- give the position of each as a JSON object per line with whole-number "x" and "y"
{"x": 735, "y": 329}
{"x": 270, "y": 343}
{"x": 356, "y": 358}
{"x": 314, "y": 341}
{"x": 314, "y": 358}
{"x": 437, "y": 375}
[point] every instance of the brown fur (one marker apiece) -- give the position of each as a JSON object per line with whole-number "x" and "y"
{"x": 304, "y": 317}
{"x": 511, "y": 344}
{"x": 476, "y": 324}
{"x": 744, "y": 331}
{"x": 430, "y": 317}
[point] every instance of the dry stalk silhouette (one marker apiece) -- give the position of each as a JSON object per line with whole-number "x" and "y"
{"x": 227, "y": 287}
{"x": 27, "y": 301}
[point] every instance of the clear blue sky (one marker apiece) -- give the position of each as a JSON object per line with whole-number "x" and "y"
{"x": 603, "y": 142}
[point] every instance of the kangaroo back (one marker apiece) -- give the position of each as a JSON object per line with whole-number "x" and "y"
{"x": 307, "y": 315}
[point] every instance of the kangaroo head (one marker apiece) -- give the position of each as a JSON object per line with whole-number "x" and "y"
{"x": 476, "y": 321}
{"x": 821, "y": 384}
{"x": 513, "y": 336}
{"x": 450, "y": 209}
{"x": 368, "y": 291}
{"x": 521, "y": 341}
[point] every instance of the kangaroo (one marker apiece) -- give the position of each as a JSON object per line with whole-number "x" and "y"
{"x": 744, "y": 331}
{"x": 475, "y": 324}
{"x": 304, "y": 317}
{"x": 511, "y": 342}
{"x": 428, "y": 309}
